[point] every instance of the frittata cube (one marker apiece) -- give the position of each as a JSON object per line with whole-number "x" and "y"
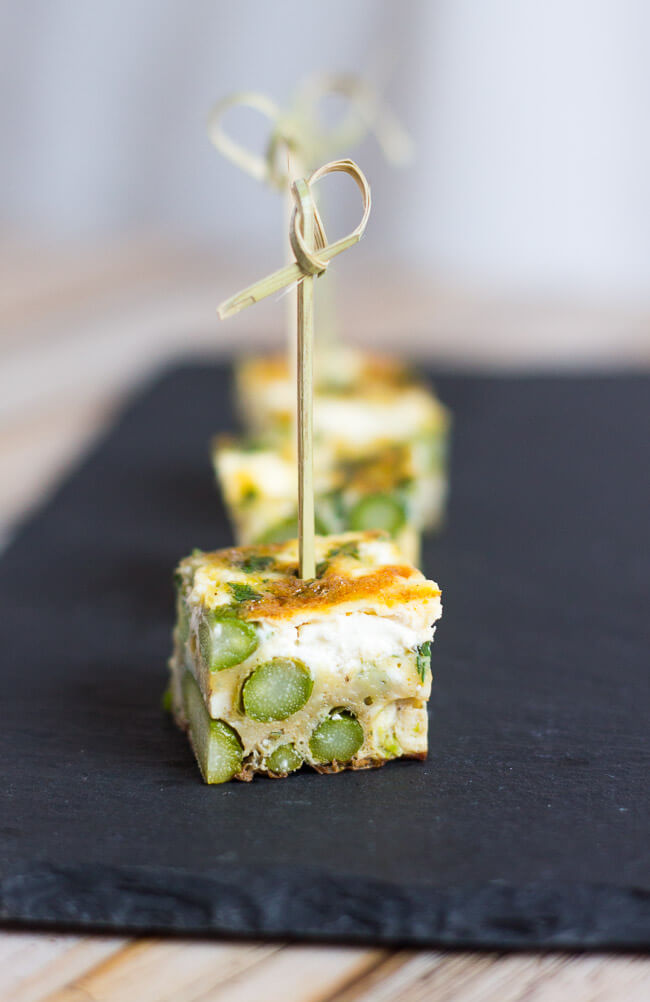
{"x": 362, "y": 404}
{"x": 270, "y": 672}
{"x": 399, "y": 489}
{"x": 266, "y": 390}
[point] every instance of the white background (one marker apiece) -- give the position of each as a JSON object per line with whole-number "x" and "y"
{"x": 531, "y": 121}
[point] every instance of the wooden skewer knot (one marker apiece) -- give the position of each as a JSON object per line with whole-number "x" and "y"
{"x": 300, "y": 130}
{"x": 309, "y": 260}
{"x": 313, "y": 254}
{"x": 306, "y": 258}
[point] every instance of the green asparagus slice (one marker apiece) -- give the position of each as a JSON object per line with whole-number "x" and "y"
{"x": 216, "y": 745}
{"x": 287, "y": 529}
{"x": 182, "y": 619}
{"x": 378, "y": 511}
{"x": 276, "y": 689}
{"x": 225, "y": 641}
{"x": 330, "y": 514}
{"x": 338, "y": 737}
{"x": 283, "y": 760}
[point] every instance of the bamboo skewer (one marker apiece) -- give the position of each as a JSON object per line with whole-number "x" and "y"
{"x": 307, "y": 262}
{"x": 312, "y": 255}
{"x": 305, "y": 367}
{"x": 295, "y": 169}
{"x": 300, "y": 130}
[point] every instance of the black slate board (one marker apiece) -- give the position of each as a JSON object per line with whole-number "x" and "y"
{"x": 528, "y": 825}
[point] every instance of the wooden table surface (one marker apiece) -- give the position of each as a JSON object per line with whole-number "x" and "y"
{"x": 78, "y": 328}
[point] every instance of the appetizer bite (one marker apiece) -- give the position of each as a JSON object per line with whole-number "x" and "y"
{"x": 380, "y": 451}
{"x": 315, "y": 650}
{"x": 362, "y": 402}
{"x": 400, "y": 488}
{"x": 270, "y": 672}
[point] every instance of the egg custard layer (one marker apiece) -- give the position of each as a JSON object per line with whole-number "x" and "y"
{"x": 270, "y": 672}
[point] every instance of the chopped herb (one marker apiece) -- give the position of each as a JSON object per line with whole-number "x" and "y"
{"x": 178, "y": 580}
{"x": 256, "y": 562}
{"x": 249, "y": 495}
{"x": 252, "y": 445}
{"x": 423, "y": 655}
{"x": 349, "y": 549}
{"x": 321, "y": 568}
{"x": 242, "y": 592}
{"x": 350, "y": 468}
{"x": 334, "y": 387}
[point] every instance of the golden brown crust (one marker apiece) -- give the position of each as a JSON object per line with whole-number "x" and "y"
{"x": 233, "y": 555}
{"x": 354, "y": 765}
{"x": 347, "y": 577}
{"x": 266, "y": 367}
{"x": 379, "y": 471}
{"x": 249, "y": 771}
{"x": 370, "y": 762}
{"x": 395, "y": 584}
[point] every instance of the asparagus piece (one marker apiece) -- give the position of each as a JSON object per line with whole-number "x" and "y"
{"x": 337, "y": 738}
{"x": 287, "y": 529}
{"x": 378, "y": 511}
{"x": 216, "y": 744}
{"x": 283, "y": 760}
{"x": 182, "y": 618}
{"x": 276, "y": 689}
{"x": 225, "y": 641}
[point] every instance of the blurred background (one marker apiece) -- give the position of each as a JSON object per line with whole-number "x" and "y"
{"x": 518, "y": 237}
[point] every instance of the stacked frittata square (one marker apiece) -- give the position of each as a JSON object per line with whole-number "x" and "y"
{"x": 270, "y": 672}
{"x": 380, "y": 446}
{"x": 383, "y": 490}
